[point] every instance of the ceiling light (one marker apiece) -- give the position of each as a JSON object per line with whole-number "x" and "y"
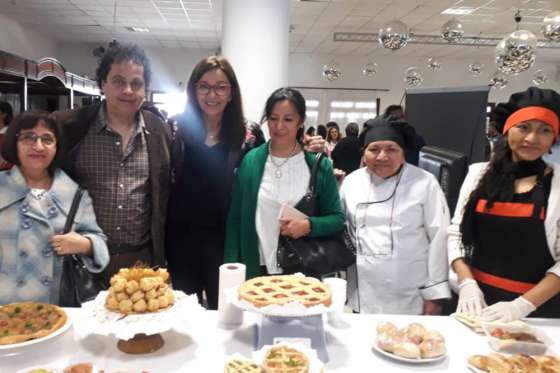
{"x": 137, "y": 29}
{"x": 459, "y": 10}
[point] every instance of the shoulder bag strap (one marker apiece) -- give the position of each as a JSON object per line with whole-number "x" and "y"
{"x": 73, "y": 210}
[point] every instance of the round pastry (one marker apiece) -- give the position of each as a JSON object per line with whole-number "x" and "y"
{"x": 241, "y": 366}
{"x": 407, "y": 349}
{"x": 386, "y": 341}
{"x": 432, "y": 348}
{"x": 283, "y": 359}
{"x": 139, "y": 290}
{"x": 267, "y": 290}
{"x": 413, "y": 333}
{"x": 434, "y": 335}
{"x": 386, "y": 327}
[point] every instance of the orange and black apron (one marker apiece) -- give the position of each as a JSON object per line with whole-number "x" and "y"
{"x": 511, "y": 253}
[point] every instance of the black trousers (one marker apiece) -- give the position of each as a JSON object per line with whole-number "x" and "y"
{"x": 194, "y": 257}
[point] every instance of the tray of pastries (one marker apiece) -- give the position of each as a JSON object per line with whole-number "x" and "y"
{"x": 413, "y": 343}
{"x": 516, "y": 363}
{"x": 139, "y": 290}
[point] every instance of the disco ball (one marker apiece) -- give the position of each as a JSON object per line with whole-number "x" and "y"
{"x": 551, "y": 26}
{"x": 452, "y": 30}
{"x": 394, "y": 35}
{"x": 332, "y": 71}
{"x": 370, "y": 69}
{"x": 413, "y": 77}
{"x": 498, "y": 80}
{"x": 539, "y": 77}
{"x": 433, "y": 64}
{"x": 516, "y": 53}
{"x": 476, "y": 68}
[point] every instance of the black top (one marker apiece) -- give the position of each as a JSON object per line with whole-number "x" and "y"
{"x": 198, "y": 199}
{"x": 347, "y": 154}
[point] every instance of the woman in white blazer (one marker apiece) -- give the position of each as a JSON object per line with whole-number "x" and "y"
{"x": 504, "y": 241}
{"x": 397, "y": 218}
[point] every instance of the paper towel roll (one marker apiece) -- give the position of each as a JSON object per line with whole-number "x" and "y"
{"x": 231, "y": 275}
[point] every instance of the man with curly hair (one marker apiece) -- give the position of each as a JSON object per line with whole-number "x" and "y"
{"x": 120, "y": 154}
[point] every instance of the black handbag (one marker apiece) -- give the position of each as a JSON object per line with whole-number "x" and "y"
{"x": 314, "y": 256}
{"x": 77, "y": 284}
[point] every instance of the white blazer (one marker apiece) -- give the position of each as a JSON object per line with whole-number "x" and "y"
{"x": 551, "y": 222}
{"x": 399, "y": 281}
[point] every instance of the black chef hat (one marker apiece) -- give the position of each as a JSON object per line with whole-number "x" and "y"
{"x": 533, "y": 97}
{"x": 390, "y": 129}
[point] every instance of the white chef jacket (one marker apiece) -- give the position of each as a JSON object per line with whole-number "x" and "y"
{"x": 401, "y": 242}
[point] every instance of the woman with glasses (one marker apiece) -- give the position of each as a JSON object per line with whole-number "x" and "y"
{"x": 274, "y": 174}
{"x": 397, "y": 217}
{"x": 504, "y": 240}
{"x": 35, "y": 200}
{"x": 207, "y": 149}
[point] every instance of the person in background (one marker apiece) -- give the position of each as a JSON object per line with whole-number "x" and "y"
{"x": 120, "y": 154}
{"x": 310, "y": 131}
{"x": 333, "y": 137}
{"x": 493, "y": 137}
{"x": 322, "y": 131}
{"x": 397, "y": 218}
{"x": 347, "y": 154}
{"x": 275, "y": 173}
{"x": 412, "y": 154}
{"x": 504, "y": 240}
{"x": 6, "y": 116}
{"x": 36, "y": 198}
{"x": 208, "y": 148}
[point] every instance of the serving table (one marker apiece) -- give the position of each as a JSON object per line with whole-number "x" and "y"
{"x": 349, "y": 344}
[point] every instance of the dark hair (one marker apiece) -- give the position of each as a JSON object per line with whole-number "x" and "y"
{"x": 118, "y": 53}
{"x": 29, "y": 120}
{"x": 322, "y": 131}
{"x": 257, "y": 135}
{"x": 310, "y": 131}
{"x": 6, "y": 108}
{"x": 233, "y": 133}
{"x": 352, "y": 129}
{"x": 392, "y": 108}
{"x": 332, "y": 124}
{"x": 329, "y": 129}
{"x": 281, "y": 94}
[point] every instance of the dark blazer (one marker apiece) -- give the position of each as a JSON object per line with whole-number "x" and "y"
{"x": 75, "y": 124}
{"x": 347, "y": 154}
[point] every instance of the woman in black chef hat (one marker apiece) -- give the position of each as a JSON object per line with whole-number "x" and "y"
{"x": 504, "y": 241}
{"x": 397, "y": 217}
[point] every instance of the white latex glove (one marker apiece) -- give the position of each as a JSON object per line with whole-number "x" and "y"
{"x": 471, "y": 298}
{"x": 508, "y": 311}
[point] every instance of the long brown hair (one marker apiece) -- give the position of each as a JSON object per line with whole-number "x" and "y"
{"x": 233, "y": 130}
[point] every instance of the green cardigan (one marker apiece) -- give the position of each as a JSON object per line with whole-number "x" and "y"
{"x": 242, "y": 242}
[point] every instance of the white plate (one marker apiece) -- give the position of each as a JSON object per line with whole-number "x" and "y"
{"x": 409, "y": 360}
{"x": 56, "y": 333}
{"x": 475, "y": 369}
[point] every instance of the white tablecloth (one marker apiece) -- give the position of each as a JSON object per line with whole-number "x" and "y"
{"x": 205, "y": 349}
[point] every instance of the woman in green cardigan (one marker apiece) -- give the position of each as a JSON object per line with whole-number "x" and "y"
{"x": 274, "y": 174}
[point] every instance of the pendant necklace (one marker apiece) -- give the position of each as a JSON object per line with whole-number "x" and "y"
{"x": 278, "y": 171}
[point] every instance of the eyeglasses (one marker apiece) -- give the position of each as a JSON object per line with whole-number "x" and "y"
{"x": 120, "y": 84}
{"x": 30, "y": 138}
{"x": 221, "y": 89}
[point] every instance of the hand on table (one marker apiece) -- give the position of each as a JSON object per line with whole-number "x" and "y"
{"x": 471, "y": 298}
{"x": 508, "y": 311}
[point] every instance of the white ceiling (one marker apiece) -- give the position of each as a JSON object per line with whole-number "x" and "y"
{"x": 198, "y": 23}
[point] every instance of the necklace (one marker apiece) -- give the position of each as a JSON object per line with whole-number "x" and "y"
{"x": 278, "y": 171}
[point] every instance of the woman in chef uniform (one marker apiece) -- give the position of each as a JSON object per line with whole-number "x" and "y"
{"x": 504, "y": 241}
{"x": 397, "y": 218}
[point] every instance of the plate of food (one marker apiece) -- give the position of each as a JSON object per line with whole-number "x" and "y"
{"x": 27, "y": 323}
{"x": 514, "y": 363}
{"x": 283, "y": 295}
{"x": 411, "y": 344}
{"x": 516, "y": 338}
